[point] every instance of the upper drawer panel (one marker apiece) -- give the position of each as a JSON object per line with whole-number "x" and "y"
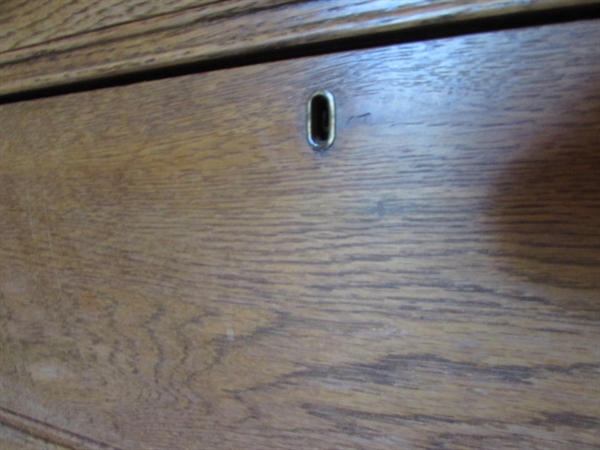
{"x": 48, "y": 44}
{"x": 25, "y": 23}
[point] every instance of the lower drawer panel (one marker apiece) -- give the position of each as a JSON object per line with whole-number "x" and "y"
{"x": 180, "y": 270}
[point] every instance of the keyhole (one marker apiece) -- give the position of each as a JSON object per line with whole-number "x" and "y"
{"x": 321, "y": 120}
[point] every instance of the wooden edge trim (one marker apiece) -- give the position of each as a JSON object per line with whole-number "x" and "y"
{"x": 202, "y": 34}
{"x": 49, "y": 433}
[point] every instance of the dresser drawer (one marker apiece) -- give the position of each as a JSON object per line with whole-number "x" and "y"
{"x": 180, "y": 269}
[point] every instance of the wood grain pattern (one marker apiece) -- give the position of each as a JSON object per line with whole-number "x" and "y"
{"x": 23, "y": 432}
{"x": 24, "y": 23}
{"x": 14, "y": 439}
{"x": 179, "y": 270}
{"x": 213, "y": 31}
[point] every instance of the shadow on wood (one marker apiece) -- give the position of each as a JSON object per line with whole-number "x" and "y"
{"x": 546, "y": 207}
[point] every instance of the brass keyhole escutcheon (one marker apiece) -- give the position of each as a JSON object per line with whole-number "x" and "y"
{"x": 321, "y": 120}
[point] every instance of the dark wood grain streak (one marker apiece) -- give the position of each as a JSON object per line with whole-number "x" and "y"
{"x": 15, "y": 439}
{"x": 151, "y": 37}
{"x": 23, "y": 432}
{"x": 180, "y": 270}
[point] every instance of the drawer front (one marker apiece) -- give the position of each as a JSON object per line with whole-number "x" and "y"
{"x": 54, "y": 45}
{"x": 181, "y": 270}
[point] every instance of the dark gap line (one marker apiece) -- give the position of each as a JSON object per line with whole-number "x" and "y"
{"x": 424, "y": 33}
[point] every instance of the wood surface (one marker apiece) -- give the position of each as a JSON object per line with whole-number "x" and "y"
{"x": 24, "y": 23}
{"x": 63, "y": 42}
{"x": 180, "y": 270}
{"x": 14, "y": 439}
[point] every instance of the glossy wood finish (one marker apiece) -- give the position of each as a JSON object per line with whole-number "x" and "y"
{"x": 88, "y": 44}
{"x": 24, "y": 23}
{"x": 180, "y": 270}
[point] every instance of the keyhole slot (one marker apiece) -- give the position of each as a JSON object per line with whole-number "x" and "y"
{"x": 321, "y": 120}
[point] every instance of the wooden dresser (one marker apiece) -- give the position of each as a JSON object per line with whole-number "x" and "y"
{"x": 181, "y": 269}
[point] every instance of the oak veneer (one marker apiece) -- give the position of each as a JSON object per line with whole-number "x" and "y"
{"x": 25, "y": 23}
{"x": 179, "y": 270}
{"x": 60, "y": 43}
{"x": 14, "y": 439}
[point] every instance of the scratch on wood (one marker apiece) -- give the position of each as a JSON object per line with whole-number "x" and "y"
{"x": 51, "y": 246}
